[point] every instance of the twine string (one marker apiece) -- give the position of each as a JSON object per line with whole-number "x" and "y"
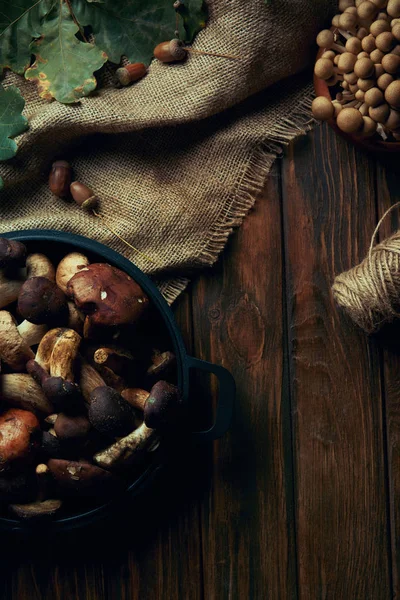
{"x": 370, "y": 292}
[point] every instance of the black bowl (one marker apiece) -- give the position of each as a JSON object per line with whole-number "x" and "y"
{"x": 56, "y": 244}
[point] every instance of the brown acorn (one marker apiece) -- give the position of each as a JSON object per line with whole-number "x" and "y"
{"x": 60, "y": 178}
{"x": 83, "y": 195}
{"x": 171, "y": 51}
{"x": 130, "y": 73}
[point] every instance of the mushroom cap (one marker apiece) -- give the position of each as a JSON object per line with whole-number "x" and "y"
{"x": 393, "y": 8}
{"x": 107, "y": 295}
{"x": 322, "y": 108}
{"x": 41, "y": 301}
{"x": 109, "y": 413}
{"x": 324, "y": 68}
{"x": 392, "y": 93}
{"x": 391, "y": 63}
{"x": 78, "y": 478}
{"x": 19, "y": 437}
{"x": 72, "y": 428}
{"x": 364, "y": 68}
{"x": 13, "y": 349}
{"x": 163, "y": 409}
{"x": 374, "y": 97}
{"x": 379, "y": 113}
{"x": 51, "y": 446}
{"x": 161, "y": 366}
{"x": 12, "y": 254}
{"x": 349, "y": 120}
{"x": 71, "y": 264}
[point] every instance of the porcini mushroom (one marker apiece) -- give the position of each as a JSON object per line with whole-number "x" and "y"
{"x": 32, "y": 334}
{"x": 71, "y": 264}
{"x": 136, "y": 397}
{"x": 79, "y": 478}
{"x": 38, "y": 265}
{"x": 42, "y": 507}
{"x": 127, "y": 450}
{"x": 163, "y": 408}
{"x": 161, "y": 366}
{"x": 12, "y": 254}
{"x": 21, "y": 390}
{"x": 109, "y": 413}
{"x": 72, "y": 428}
{"x": 19, "y": 438}
{"x": 109, "y": 297}
{"x": 89, "y": 379}
{"x": 14, "y": 351}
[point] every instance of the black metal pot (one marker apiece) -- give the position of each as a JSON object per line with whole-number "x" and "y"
{"x": 55, "y": 242}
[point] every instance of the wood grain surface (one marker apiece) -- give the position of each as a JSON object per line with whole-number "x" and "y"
{"x": 301, "y": 499}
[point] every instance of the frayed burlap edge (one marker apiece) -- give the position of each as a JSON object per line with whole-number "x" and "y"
{"x": 249, "y": 187}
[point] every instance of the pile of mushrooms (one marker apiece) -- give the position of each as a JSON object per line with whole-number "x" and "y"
{"x": 361, "y": 65}
{"x": 79, "y": 409}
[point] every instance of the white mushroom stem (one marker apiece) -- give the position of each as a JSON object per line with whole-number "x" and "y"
{"x": 128, "y": 449}
{"x": 70, "y": 265}
{"x": 64, "y": 353}
{"x": 9, "y": 290}
{"x": 31, "y": 333}
{"x": 345, "y": 34}
{"x": 38, "y": 265}
{"x": 13, "y": 349}
{"x": 364, "y": 109}
{"x": 51, "y": 419}
{"x": 89, "y": 379}
{"x": 20, "y": 390}
{"x": 75, "y": 318}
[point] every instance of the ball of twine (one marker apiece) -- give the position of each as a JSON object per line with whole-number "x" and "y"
{"x": 370, "y": 292}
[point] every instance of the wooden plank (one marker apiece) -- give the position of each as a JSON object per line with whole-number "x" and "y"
{"x": 248, "y": 542}
{"x": 342, "y": 534}
{"x": 388, "y": 193}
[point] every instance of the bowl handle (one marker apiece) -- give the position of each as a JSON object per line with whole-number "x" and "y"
{"x": 227, "y": 390}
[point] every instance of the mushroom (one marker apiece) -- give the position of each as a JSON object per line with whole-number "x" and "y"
{"x": 89, "y": 379}
{"x": 384, "y": 81}
{"x": 109, "y": 413}
{"x": 57, "y": 352}
{"x": 76, "y": 318}
{"x": 12, "y": 254}
{"x": 71, "y": 428}
{"x": 324, "y": 68}
{"x": 70, "y": 265}
{"x": 9, "y": 290}
{"x": 391, "y": 63}
{"x": 22, "y": 391}
{"x": 161, "y": 366}
{"x": 163, "y": 408}
{"x": 16, "y": 487}
{"x": 346, "y": 62}
{"x": 393, "y": 120}
{"x": 326, "y": 39}
{"x": 379, "y": 26}
{"x": 367, "y": 10}
{"x": 79, "y": 478}
{"x": 379, "y": 113}
{"x": 42, "y": 507}
{"x": 136, "y": 397}
{"x": 51, "y": 446}
{"x": 117, "y": 359}
{"x": 32, "y": 334}
{"x": 393, "y": 8}
{"x": 385, "y": 41}
{"x": 127, "y": 450}
{"x": 19, "y": 438}
{"x": 364, "y": 68}
{"x": 109, "y": 297}
{"x": 392, "y": 94}
{"x": 40, "y": 300}
{"x": 349, "y": 120}
{"x": 369, "y": 127}
{"x": 374, "y": 97}
{"x": 14, "y": 351}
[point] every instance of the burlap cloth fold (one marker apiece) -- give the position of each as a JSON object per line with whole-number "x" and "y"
{"x": 178, "y": 158}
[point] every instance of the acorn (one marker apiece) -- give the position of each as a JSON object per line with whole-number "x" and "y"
{"x": 130, "y": 73}
{"x": 171, "y": 51}
{"x": 83, "y": 195}
{"x": 60, "y": 178}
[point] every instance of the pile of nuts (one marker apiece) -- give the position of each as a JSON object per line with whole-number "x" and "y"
{"x": 361, "y": 64}
{"x": 83, "y": 399}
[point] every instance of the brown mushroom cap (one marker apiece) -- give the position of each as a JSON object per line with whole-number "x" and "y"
{"x": 41, "y": 301}
{"x": 374, "y": 97}
{"x": 369, "y": 127}
{"x": 379, "y": 113}
{"x": 82, "y": 479}
{"x": 393, "y": 8}
{"x": 346, "y": 62}
{"x": 19, "y": 437}
{"x": 72, "y": 428}
{"x": 364, "y": 68}
{"x": 107, "y": 295}
{"x": 391, "y": 63}
{"x": 322, "y": 108}
{"x": 109, "y": 413}
{"x": 349, "y": 120}
{"x": 12, "y": 254}
{"x": 384, "y": 81}
{"x": 385, "y": 41}
{"x": 392, "y": 94}
{"x": 163, "y": 408}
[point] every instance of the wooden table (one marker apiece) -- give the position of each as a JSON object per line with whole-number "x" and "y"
{"x": 302, "y": 498}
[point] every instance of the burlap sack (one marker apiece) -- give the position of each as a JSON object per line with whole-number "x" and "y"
{"x": 178, "y": 158}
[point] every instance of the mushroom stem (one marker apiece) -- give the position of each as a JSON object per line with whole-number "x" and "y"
{"x": 136, "y": 397}
{"x": 21, "y": 390}
{"x": 38, "y": 265}
{"x": 117, "y": 359}
{"x": 13, "y": 349}
{"x": 31, "y": 333}
{"x": 127, "y": 450}
{"x": 46, "y": 346}
{"x": 9, "y": 290}
{"x": 64, "y": 354}
{"x": 89, "y": 379}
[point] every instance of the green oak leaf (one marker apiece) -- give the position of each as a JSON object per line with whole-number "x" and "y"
{"x": 134, "y": 27}
{"x": 12, "y": 122}
{"x": 194, "y": 17}
{"x": 64, "y": 66}
{"x": 20, "y": 22}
